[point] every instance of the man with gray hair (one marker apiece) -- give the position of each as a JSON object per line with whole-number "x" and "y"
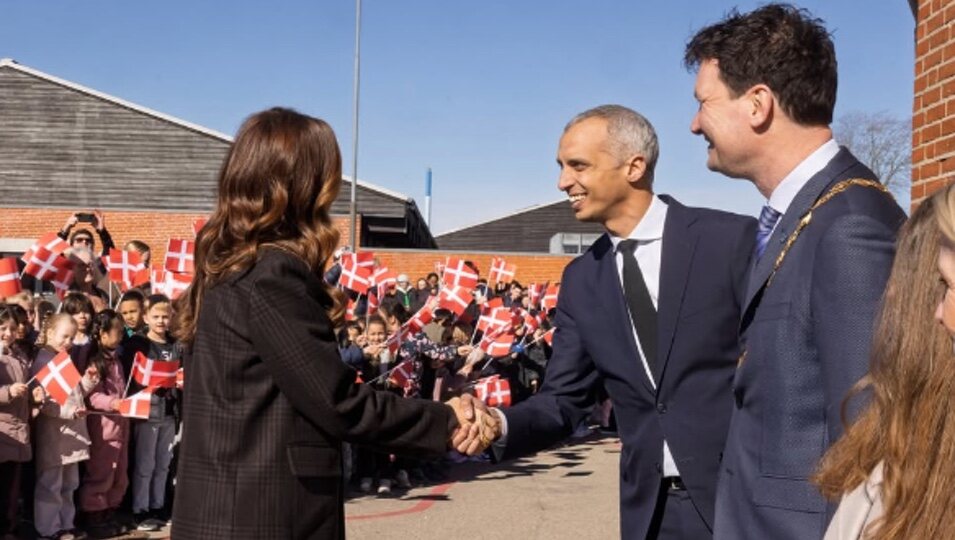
{"x": 650, "y": 311}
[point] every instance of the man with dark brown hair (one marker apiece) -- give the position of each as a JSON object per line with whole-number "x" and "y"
{"x": 766, "y": 87}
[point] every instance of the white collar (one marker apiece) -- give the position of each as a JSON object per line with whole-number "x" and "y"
{"x": 650, "y": 227}
{"x": 786, "y": 191}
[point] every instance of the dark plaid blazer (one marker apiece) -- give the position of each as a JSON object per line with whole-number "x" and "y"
{"x": 267, "y": 404}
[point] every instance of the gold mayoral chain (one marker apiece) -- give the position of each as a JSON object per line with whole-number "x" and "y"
{"x": 807, "y": 218}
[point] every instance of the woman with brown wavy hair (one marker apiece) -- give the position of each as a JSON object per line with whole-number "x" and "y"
{"x": 895, "y": 466}
{"x": 267, "y": 399}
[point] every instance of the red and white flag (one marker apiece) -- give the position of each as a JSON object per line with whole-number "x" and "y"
{"x": 197, "y": 225}
{"x": 494, "y": 319}
{"x": 123, "y": 267}
{"x": 373, "y": 302}
{"x": 9, "y": 277}
{"x": 49, "y": 241}
{"x": 350, "y": 310}
{"x": 136, "y": 405}
{"x": 493, "y": 391}
{"x": 455, "y": 299}
{"x": 497, "y": 343}
{"x": 501, "y": 272}
{"x": 355, "y": 278}
{"x": 439, "y": 268}
{"x": 61, "y": 282}
{"x": 59, "y": 377}
{"x": 402, "y": 375}
{"x": 45, "y": 264}
{"x": 420, "y": 319}
{"x": 460, "y": 273}
{"x": 359, "y": 259}
{"x": 549, "y": 337}
{"x": 532, "y": 322}
{"x": 535, "y": 291}
{"x": 180, "y": 256}
{"x": 156, "y": 373}
{"x": 549, "y": 301}
{"x": 383, "y": 279}
{"x": 172, "y": 284}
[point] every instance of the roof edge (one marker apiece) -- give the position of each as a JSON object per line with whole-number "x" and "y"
{"x": 13, "y": 64}
{"x": 505, "y": 216}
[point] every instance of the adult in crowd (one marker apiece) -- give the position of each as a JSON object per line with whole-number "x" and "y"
{"x": 81, "y": 239}
{"x": 766, "y": 87}
{"x": 269, "y": 401}
{"x": 405, "y": 293}
{"x": 650, "y": 311}
{"x": 893, "y": 467}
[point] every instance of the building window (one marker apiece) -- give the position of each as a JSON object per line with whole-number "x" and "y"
{"x": 571, "y": 243}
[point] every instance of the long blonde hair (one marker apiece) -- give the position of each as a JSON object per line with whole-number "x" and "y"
{"x": 276, "y": 186}
{"x": 909, "y": 424}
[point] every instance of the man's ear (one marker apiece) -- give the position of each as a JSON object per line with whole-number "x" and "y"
{"x": 761, "y": 103}
{"x": 636, "y": 169}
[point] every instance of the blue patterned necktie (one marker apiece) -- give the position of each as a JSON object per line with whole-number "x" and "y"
{"x": 767, "y": 220}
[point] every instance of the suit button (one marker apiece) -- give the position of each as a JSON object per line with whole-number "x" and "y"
{"x": 738, "y": 398}
{"x": 661, "y": 408}
{"x": 659, "y": 468}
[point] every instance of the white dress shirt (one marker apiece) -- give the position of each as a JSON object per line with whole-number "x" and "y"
{"x": 786, "y": 191}
{"x": 649, "y": 251}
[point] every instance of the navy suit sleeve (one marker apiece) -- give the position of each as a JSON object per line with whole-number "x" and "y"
{"x": 568, "y": 393}
{"x": 852, "y": 266}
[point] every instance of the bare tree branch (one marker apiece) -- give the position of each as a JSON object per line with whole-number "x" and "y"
{"x": 881, "y": 141}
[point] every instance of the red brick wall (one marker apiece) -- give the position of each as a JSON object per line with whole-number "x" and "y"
{"x": 531, "y": 268}
{"x": 933, "y": 109}
{"x": 156, "y": 228}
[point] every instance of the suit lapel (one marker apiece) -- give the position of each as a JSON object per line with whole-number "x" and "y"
{"x": 610, "y": 297}
{"x": 804, "y": 200}
{"x": 679, "y": 244}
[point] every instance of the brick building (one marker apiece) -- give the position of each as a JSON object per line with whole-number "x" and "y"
{"x": 933, "y": 107}
{"x": 67, "y": 148}
{"x": 64, "y": 147}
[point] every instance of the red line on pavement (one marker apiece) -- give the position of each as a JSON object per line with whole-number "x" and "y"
{"x": 421, "y": 506}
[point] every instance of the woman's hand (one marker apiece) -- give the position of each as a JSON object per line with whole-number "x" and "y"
{"x": 18, "y": 390}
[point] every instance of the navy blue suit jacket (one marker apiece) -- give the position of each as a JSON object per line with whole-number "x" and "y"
{"x": 807, "y": 337}
{"x": 705, "y": 257}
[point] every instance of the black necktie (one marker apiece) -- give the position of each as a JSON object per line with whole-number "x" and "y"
{"x": 642, "y": 312}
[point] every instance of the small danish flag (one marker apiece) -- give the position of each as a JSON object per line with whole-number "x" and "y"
{"x": 455, "y": 299}
{"x": 9, "y": 277}
{"x": 156, "y": 373}
{"x": 180, "y": 256}
{"x": 44, "y": 264}
{"x": 501, "y": 272}
{"x": 49, "y": 241}
{"x": 460, "y": 273}
{"x": 136, "y": 405}
{"x": 123, "y": 267}
{"x": 59, "y": 377}
{"x": 493, "y": 391}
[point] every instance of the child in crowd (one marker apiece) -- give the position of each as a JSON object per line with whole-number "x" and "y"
{"x": 105, "y": 480}
{"x": 79, "y": 306}
{"x": 14, "y": 421}
{"x": 350, "y": 346}
{"x": 62, "y": 439}
{"x": 374, "y": 465}
{"x": 131, "y": 308}
{"x": 153, "y": 438}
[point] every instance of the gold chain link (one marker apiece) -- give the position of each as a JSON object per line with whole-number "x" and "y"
{"x": 804, "y": 222}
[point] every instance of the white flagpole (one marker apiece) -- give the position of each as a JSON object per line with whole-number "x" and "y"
{"x": 352, "y": 208}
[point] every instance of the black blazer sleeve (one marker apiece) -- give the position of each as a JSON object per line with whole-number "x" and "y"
{"x": 293, "y": 336}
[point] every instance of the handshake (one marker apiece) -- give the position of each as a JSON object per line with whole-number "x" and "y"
{"x": 478, "y": 426}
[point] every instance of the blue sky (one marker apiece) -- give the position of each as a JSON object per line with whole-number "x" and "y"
{"x": 479, "y": 91}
